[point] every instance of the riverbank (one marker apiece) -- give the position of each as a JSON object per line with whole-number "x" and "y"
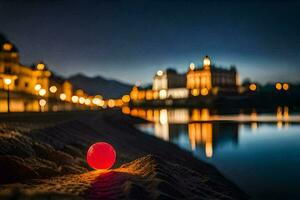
{"x": 42, "y": 155}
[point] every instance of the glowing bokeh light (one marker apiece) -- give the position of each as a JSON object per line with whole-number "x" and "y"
{"x": 285, "y": 86}
{"x": 42, "y": 92}
{"x": 53, "y": 89}
{"x": 63, "y": 96}
{"x": 252, "y": 87}
{"x": 101, "y": 155}
{"x": 278, "y": 86}
{"x": 7, "y": 81}
{"x": 37, "y": 87}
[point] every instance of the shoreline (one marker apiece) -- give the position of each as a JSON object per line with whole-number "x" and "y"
{"x": 43, "y": 155}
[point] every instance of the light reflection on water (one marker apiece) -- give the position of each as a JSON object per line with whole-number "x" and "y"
{"x": 259, "y": 152}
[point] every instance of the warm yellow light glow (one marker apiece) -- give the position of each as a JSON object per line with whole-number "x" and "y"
{"x": 134, "y": 93}
{"x": 7, "y": 81}
{"x": 126, "y": 110}
{"x": 74, "y": 99}
{"x": 111, "y": 103}
{"x": 42, "y": 92}
{"x": 195, "y": 92}
{"x": 279, "y": 113}
{"x": 278, "y": 86}
{"x": 81, "y": 100}
{"x": 149, "y": 94}
{"x": 42, "y": 102}
{"x": 286, "y": 113}
{"x": 285, "y": 86}
{"x": 208, "y": 150}
{"x": 63, "y": 96}
{"x": 7, "y": 46}
{"x": 53, "y": 89}
{"x": 159, "y": 73}
{"x": 40, "y": 66}
{"x": 101, "y": 103}
{"x": 14, "y": 55}
{"x": 252, "y": 87}
{"x": 96, "y": 101}
{"x": 87, "y": 102}
{"x": 162, "y": 94}
{"x": 126, "y": 98}
{"x": 192, "y": 66}
{"x": 206, "y": 61}
{"x": 163, "y": 116}
{"x": 37, "y": 87}
{"x": 204, "y": 91}
{"x": 98, "y": 96}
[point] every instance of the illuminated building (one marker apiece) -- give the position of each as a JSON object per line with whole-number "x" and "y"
{"x": 34, "y": 80}
{"x": 203, "y": 80}
{"x": 25, "y": 78}
{"x": 62, "y": 86}
{"x": 170, "y": 84}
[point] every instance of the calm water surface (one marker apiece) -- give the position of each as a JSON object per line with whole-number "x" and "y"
{"x": 259, "y": 152}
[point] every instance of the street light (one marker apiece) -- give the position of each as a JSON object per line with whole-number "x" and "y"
{"x": 7, "y": 82}
{"x": 42, "y": 103}
{"x": 53, "y": 89}
{"x": 37, "y": 87}
{"x": 42, "y": 92}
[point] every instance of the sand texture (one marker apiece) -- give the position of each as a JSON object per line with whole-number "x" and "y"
{"x": 42, "y": 156}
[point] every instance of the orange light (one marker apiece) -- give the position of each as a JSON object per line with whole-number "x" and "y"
{"x": 101, "y": 103}
{"x": 126, "y": 110}
{"x": 206, "y": 61}
{"x": 7, "y": 46}
{"x": 96, "y": 100}
{"x": 37, "y": 87}
{"x": 278, "y": 86}
{"x": 252, "y": 87}
{"x": 285, "y": 86}
{"x": 195, "y": 92}
{"x": 126, "y": 98}
{"x": 74, "y": 99}
{"x": 7, "y": 81}
{"x": 62, "y": 96}
{"x": 53, "y": 89}
{"x": 42, "y": 92}
{"x": 204, "y": 91}
{"x": 40, "y": 66}
{"x": 87, "y": 102}
{"x": 42, "y": 102}
{"x": 162, "y": 94}
{"x": 81, "y": 100}
{"x": 111, "y": 103}
{"x": 149, "y": 95}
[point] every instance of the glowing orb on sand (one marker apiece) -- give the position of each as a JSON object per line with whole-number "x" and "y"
{"x": 101, "y": 155}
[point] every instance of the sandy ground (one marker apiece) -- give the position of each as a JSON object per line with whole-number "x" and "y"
{"x": 42, "y": 156}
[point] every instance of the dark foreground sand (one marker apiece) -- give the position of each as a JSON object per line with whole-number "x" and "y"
{"x": 42, "y": 156}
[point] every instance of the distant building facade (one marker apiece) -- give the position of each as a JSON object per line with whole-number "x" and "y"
{"x": 210, "y": 79}
{"x": 197, "y": 81}
{"x": 170, "y": 84}
{"x": 29, "y": 79}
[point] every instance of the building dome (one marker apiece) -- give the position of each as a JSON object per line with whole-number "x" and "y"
{"x": 7, "y": 46}
{"x": 206, "y": 62}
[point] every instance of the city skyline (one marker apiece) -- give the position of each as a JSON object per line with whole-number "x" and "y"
{"x": 110, "y": 40}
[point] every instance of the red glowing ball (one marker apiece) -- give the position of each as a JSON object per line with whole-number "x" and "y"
{"x": 101, "y": 155}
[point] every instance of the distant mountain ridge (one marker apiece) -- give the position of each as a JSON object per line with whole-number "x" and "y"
{"x": 99, "y": 85}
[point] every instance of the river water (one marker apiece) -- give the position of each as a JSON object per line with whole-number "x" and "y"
{"x": 260, "y": 152}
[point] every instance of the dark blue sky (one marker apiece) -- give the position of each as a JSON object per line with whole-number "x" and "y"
{"x": 131, "y": 40}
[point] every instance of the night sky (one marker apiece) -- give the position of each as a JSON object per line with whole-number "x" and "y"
{"x": 131, "y": 40}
